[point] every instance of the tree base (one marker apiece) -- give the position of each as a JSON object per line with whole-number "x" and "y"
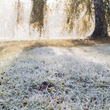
{"x": 98, "y": 37}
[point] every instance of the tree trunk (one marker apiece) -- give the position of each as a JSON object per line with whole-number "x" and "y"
{"x": 100, "y": 21}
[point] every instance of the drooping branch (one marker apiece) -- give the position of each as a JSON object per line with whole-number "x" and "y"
{"x": 19, "y": 10}
{"x": 107, "y": 12}
{"x": 78, "y": 11}
{"x": 38, "y": 14}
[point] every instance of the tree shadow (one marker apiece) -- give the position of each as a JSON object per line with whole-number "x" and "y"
{"x": 81, "y": 42}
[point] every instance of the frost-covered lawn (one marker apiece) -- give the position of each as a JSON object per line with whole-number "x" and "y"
{"x": 80, "y": 78}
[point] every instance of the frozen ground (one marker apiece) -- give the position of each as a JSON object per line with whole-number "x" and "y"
{"x": 81, "y": 78}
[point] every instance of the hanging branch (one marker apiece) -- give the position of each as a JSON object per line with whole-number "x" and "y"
{"x": 37, "y": 14}
{"x": 78, "y": 11}
{"x": 107, "y": 12}
{"x": 20, "y": 10}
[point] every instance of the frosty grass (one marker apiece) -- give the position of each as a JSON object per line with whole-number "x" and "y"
{"x": 81, "y": 74}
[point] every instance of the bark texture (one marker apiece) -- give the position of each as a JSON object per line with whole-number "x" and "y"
{"x": 100, "y": 30}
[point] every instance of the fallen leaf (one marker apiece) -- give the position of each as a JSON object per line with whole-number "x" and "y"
{"x": 78, "y": 81}
{"x": 51, "y": 89}
{"x": 63, "y": 83}
{"x": 107, "y": 70}
{"x": 25, "y": 103}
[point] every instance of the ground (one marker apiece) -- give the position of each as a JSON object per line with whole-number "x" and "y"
{"x": 79, "y": 71}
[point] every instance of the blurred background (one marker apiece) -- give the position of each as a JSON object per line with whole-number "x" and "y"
{"x": 15, "y": 21}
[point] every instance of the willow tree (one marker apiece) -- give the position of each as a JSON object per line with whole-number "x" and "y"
{"x": 84, "y": 11}
{"x": 38, "y": 14}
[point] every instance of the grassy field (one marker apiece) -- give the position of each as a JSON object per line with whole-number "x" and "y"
{"x": 55, "y": 75}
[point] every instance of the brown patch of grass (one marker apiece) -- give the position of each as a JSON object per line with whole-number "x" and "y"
{"x": 13, "y": 46}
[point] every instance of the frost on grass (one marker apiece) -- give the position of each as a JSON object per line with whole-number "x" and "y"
{"x": 80, "y": 78}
